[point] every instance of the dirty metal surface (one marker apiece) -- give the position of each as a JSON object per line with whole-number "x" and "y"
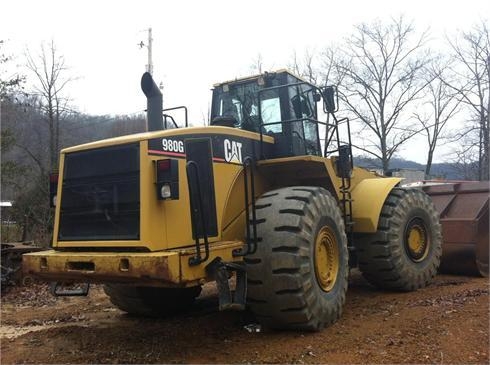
{"x": 11, "y": 261}
{"x": 464, "y": 212}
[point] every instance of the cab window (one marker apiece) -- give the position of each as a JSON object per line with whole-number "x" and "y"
{"x": 270, "y": 107}
{"x": 238, "y": 103}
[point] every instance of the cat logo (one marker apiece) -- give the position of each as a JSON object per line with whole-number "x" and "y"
{"x": 233, "y": 151}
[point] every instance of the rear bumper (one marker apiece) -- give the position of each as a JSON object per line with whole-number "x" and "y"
{"x": 169, "y": 268}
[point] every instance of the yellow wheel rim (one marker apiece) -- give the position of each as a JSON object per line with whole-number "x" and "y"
{"x": 326, "y": 258}
{"x": 416, "y": 240}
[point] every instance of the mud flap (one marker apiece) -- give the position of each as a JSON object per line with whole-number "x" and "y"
{"x": 221, "y": 272}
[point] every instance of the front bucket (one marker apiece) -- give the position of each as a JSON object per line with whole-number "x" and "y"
{"x": 463, "y": 208}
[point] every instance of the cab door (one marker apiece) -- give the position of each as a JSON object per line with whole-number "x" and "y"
{"x": 302, "y": 108}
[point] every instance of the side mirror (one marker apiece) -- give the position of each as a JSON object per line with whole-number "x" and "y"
{"x": 344, "y": 163}
{"x": 296, "y": 102}
{"x": 330, "y": 99}
{"x": 300, "y": 106}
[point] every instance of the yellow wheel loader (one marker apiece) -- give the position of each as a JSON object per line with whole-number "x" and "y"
{"x": 256, "y": 196}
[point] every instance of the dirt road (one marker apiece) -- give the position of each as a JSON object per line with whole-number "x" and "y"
{"x": 447, "y": 322}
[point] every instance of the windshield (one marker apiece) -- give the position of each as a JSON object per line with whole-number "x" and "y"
{"x": 239, "y": 104}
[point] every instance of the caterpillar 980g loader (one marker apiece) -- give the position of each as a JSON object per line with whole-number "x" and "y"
{"x": 254, "y": 195}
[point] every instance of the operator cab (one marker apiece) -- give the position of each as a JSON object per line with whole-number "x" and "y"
{"x": 278, "y": 104}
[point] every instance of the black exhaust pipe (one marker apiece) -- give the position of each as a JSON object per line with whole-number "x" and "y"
{"x": 154, "y": 103}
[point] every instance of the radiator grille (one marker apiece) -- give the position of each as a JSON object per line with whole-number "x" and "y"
{"x": 100, "y": 197}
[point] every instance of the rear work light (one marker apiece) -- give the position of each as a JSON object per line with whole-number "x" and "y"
{"x": 167, "y": 179}
{"x": 53, "y": 188}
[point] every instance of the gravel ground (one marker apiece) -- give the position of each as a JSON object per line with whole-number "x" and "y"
{"x": 445, "y": 323}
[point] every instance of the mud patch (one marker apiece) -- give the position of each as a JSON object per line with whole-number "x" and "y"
{"x": 444, "y": 323}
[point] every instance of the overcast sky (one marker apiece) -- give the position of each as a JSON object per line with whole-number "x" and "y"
{"x": 197, "y": 43}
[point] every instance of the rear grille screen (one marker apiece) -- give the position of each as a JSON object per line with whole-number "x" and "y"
{"x": 100, "y": 197}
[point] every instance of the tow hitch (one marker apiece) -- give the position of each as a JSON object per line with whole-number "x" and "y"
{"x": 220, "y": 271}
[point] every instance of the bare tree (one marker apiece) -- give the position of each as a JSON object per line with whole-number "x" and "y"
{"x": 50, "y": 69}
{"x": 26, "y": 159}
{"x": 465, "y": 161}
{"x": 441, "y": 105}
{"x": 35, "y": 147}
{"x": 471, "y": 52}
{"x": 380, "y": 69}
{"x": 257, "y": 64}
{"x": 128, "y": 124}
{"x": 329, "y": 74}
{"x": 9, "y": 84}
{"x": 305, "y": 66}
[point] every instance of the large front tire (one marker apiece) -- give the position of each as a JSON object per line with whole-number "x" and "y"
{"x": 151, "y": 301}
{"x": 405, "y": 253}
{"x": 297, "y": 278}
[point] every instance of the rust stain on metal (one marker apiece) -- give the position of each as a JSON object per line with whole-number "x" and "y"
{"x": 161, "y": 268}
{"x": 155, "y": 268}
{"x": 464, "y": 211}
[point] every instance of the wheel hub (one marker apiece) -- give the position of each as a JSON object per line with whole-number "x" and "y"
{"x": 326, "y": 258}
{"x": 416, "y": 240}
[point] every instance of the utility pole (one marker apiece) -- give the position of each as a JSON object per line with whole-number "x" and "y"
{"x": 149, "y": 46}
{"x": 149, "y": 67}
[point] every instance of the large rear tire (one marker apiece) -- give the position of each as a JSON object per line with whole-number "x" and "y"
{"x": 405, "y": 253}
{"x": 297, "y": 278}
{"x": 151, "y": 301}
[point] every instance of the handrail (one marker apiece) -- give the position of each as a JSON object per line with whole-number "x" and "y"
{"x": 165, "y": 116}
{"x": 251, "y": 242}
{"x": 179, "y": 107}
{"x": 196, "y": 260}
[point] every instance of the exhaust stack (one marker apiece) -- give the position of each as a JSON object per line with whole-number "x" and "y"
{"x": 154, "y": 103}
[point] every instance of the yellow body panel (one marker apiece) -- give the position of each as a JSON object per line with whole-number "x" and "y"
{"x": 368, "y": 196}
{"x": 233, "y": 219}
{"x": 58, "y": 194}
